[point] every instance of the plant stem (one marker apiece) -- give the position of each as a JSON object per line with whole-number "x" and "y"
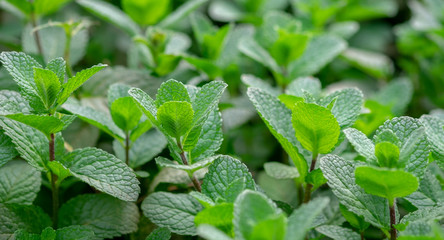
{"x": 54, "y": 187}
{"x": 127, "y": 148}
{"x": 193, "y": 178}
{"x": 392, "y": 220}
{"x": 36, "y": 32}
{"x": 362, "y": 235}
{"x": 309, "y": 186}
{"x": 67, "y": 54}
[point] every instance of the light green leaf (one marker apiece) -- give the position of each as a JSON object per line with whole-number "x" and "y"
{"x": 7, "y": 149}
{"x": 397, "y": 94}
{"x": 221, "y": 174}
{"x": 250, "y": 208}
{"x": 13, "y": 102}
{"x": 301, "y": 219}
{"x": 316, "y": 127}
{"x": 19, "y": 183}
{"x": 147, "y": 12}
{"x": 125, "y": 113}
{"x": 429, "y": 192}
{"x": 176, "y": 118}
{"x": 59, "y": 170}
{"x": 375, "y": 64}
{"x": 288, "y": 47}
{"x": 434, "y": 130}
{"x": 75, "y": 82}
{"x": 45, "y": 7}
{"x": 206, "y": 100}
{"x": 44, "y": 123}
{"x": 255, "y": 82}
{"x": 354, "y": 220}
{"x": 108, "y": 217}
{"x": 320, "y": 51}
{"x": 57, "y": 66}
{"x": 161, "y": 233}
{"x": 205, "y": 65}
{"x": 143, "y": 126}
{"x": 220, "y": 216}
{"x": 146, "y": 104}
{"x": 163, "y": 162}
{"x": 280, "y": 171}
{"x": 341, "y": 179}
{"x": 252, "y": 49}
{"x": 277, "y": 117}
{"x": 211, "y": 233}
{"x": 273, "y": 227}
{"x": 29, "y": 218}
{"x": 387, "y": 154}
{"x": 109, "y": 174}
{"x": 347, "y": 106}
{"x": 180, "y": 13}
{"x": 172, "y": 90}
{"x": 117, "y": 90}
{"x": 112, "y": 14}
{"x": 47, "y": 85}
{"x": 338, "y": 233}
{"x": 316, "y": 178}
{"x": 213, "y": 44}
{"x": 96, "y": 118}
{"x": 427, "y": 215}
{"x": 173, "y": 211}
{"x": 361, "y": 143}
{"x": 210, "y": 138}
{"x": 300, "y": 85}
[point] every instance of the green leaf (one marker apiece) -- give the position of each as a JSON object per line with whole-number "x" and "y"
{"x": 173, "y": 211}
{"x": 112, "y": 14}
{"x": 316, "y": 178}
{"x": 206, "y": 100}
{"x": 146, "y": 12}
{"x": 146, "y": 104}
{"x": 429, "y": 192}
{"x": 213, "y": 44}
{"x": 361, "y": 143}
{"x": 96, "y": 118}
{"x": 320, "y": 51}
{"x": 288, "y": 47}
{"x": 300, "y": 221}
{"x": 75, "y": 232}
{"x": 252, "y": 49}
{"x": 180, "y": 13}
{"x": 59, "y": 170}
{"x": 270, "y": 228}
{"x": 397, "y": 94}
{"x": 205, "y": 65}
{"x": 163, "y": 162}
{"x": 375, "y": 64}
{"x": 434, "y": 130}
{"x": 117, "y": 90}
{"x": 354, "y": 220}
{"x": 13, "y": 102}
{"x": 143, "y": 126}
{"x": 19, "y": 183}
{"x": 280, "y": 171}
{"x": 341, "y": 179}
{"x": 20, "y": 67}
{"x": 176, "y": 118}
{"x": 29, "y": 218}
{"x": 125, "y": 113}
{"x": 338, "y": 233}
{"x": 221, "y": 174}
{"x": 44, "y": 123}
{"x": 110, "y": 174}
{"x": 210, "y": 138}
{"x": 172, "y": 90}
{"x": 211, "y": 233}
{"x": 255, "y": 82}
{"x": 57, "y": 66}
{"x": 7, "y": 149}
{"x": 166, "y": 63}
{"x": 45, "y": 7}
{"x": 316, "y": 127}
{"x": 75, "y": 82}
{"x": 427, "y": 214}
{"x": 347, "y": 106}
{"x": 108, "y": 217}
{"x": 277, "y": 117}
{"x": 143, "y": 150}
{"x": 161, "y": 233}
{"x": 220, "y": 216}
{"x": 290, "y": 100}
{"x": 47, "y": 85}
{"x": 299, "y": 86}
{"x": 387, "y": 154}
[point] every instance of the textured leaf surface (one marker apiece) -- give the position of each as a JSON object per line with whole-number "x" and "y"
{"x": 206, "y": 100}
{"x": 161, "y": 233}
{"x": 44, "y": 123}
{"x": 316, "y": 127}
{"x": 277, "y": 117}
{"x": 428, "y": 214}
{"x": 221, "y": 174}
{"x": 58, "y": 66}
{"x": 341, "y": 178}
{"x": 163, "y": 162}
{"x": 13, "y": 102}
{"x": 280, "y": 171}
{"x": 301, "y": 219}
{"x": 347, "y": 106}
{"x": 434, "y": 128}
{"x": 112, "y": 14}
{"x": 108, "y": 217}
{"x": 173, "y": 211}
{"x": 361, "y": 143}
{"x": 210, "y": 138}
{"x": 7, "y": 149}
{"x": 176, "y": 118}
{"x": 146, "y": 103}
{"x": 104, "y": 172}
{"x": 397, "y": 95}
{"x": 125, "y": 113}
{"x": 338, "y": 233}
{"x": 172, "y": 90}
{"x": 29, "y": 218}
{"x": 304, "y": 84}
{"x": 47, "y": 85}
{"x": 19, "y": 183}
{"x": 429, "y": 192}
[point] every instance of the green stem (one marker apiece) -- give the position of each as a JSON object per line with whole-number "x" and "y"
{"x": 193, "y": 178}
{"x": 67, "y": 54}
{"x": 309, "y": 186}
{"x": 362, "y": 235}
{"x": 127, "y": 148}
{"x": 392, "y": 220}
{"x": 54, "y": 187}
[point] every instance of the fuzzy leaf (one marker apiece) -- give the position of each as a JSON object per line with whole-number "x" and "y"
{"x": 173, "y": 211}
{"x": 338, "y": 233}
{"x": 427, "y": 214}
{"x": 146, "y": 104}
{"x": 206, "y": 100}
{"x": 19, "y": 183}
{"x": 58, "y": 66}
{"x": 176, "y": 118}
{"x": 347, "y": 106}
{"x": 429, "y": 192}
{"x": 161, "y": 233}
{"x": 434, "y": 128}
{"x": 172, "y": 90}
{"x": 7, "y": 149}
{"x": 316, "y": 127}
{"x": 13, "y": 102}
{"x": 104, "y": 172}
{"x": 117, "y": 90}
{"x": 29, "y": 218}
{"x": 304, "y": 84}
{"x": 211, "y": 233}
{"x": 280, "y": 171}
{"x": 108, "y": 217}
{"x": 361, "y": 143}
{"x": 210, "y": 138}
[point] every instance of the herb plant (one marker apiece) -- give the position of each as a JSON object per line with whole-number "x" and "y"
{"x": 227, "y": 119}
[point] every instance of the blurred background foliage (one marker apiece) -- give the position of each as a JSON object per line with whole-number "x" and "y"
{"x": 393, "y": 50}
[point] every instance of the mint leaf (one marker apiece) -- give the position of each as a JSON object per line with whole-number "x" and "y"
{"x": 146, "y": 104}
{"x": 373, "y": 63}
{"x": 289, "y": 46}
{"x": 221, "y": 174}
{"x": 75, "y": 82}
{"x": 280, "y": 171}
{"x": 110, "y": 174}
{"x": 163, "y": 162}
{"x": 386, "y": 183}
{"x": 7, "y": 149}
{"x": 29, "y": 218}
{"x": 75, "y": 232}
{"x": 429, "y": 192}
{"x": 354, "y": 220}
{"x": 108, "y": 217}
{"x": 125, "y": 113}
{"x": 172, "y": 90}
{"x": 299, "y": 86}
{"x": 117, "y": 90}
{"x": 361, "y": 143}
{"x": 13, "y": 102}
{"x": 434, "y": 129}
{"x": 161, "y": 233}
{"x": 96, "y": 118}
{"x": 180, "y": 13}
{"x": 338, "y": 233}
{"x": 316, "y": 127}
{"x": 277, "y": 117}
{"x": 427, "y": 214}
{"x": 57, "y": 66}
{"x": 270, "y": 228}
{"x": 173, "y": 211}
{"x": 387, "y": 154}
{"x": 19, "y": 183}
{"x": 347, "y": 106}
{"x": 44, "y": 123}
{"x": 211, "y": 233}
{"x": 210, "y": 138}
{"x": 206, "y": 100}
{"x": 112, "y": 14}
{"x": 252, "y": 49}
{"x": 48, "y": 86}
{"x": 176, "y": 118}
{"x": 301, "y": 219}
{"x": 220, "y": 216}
{"x": 341, "y": 179}
{"x": 255, "y": 82}
{"x": 397, "y": 95}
